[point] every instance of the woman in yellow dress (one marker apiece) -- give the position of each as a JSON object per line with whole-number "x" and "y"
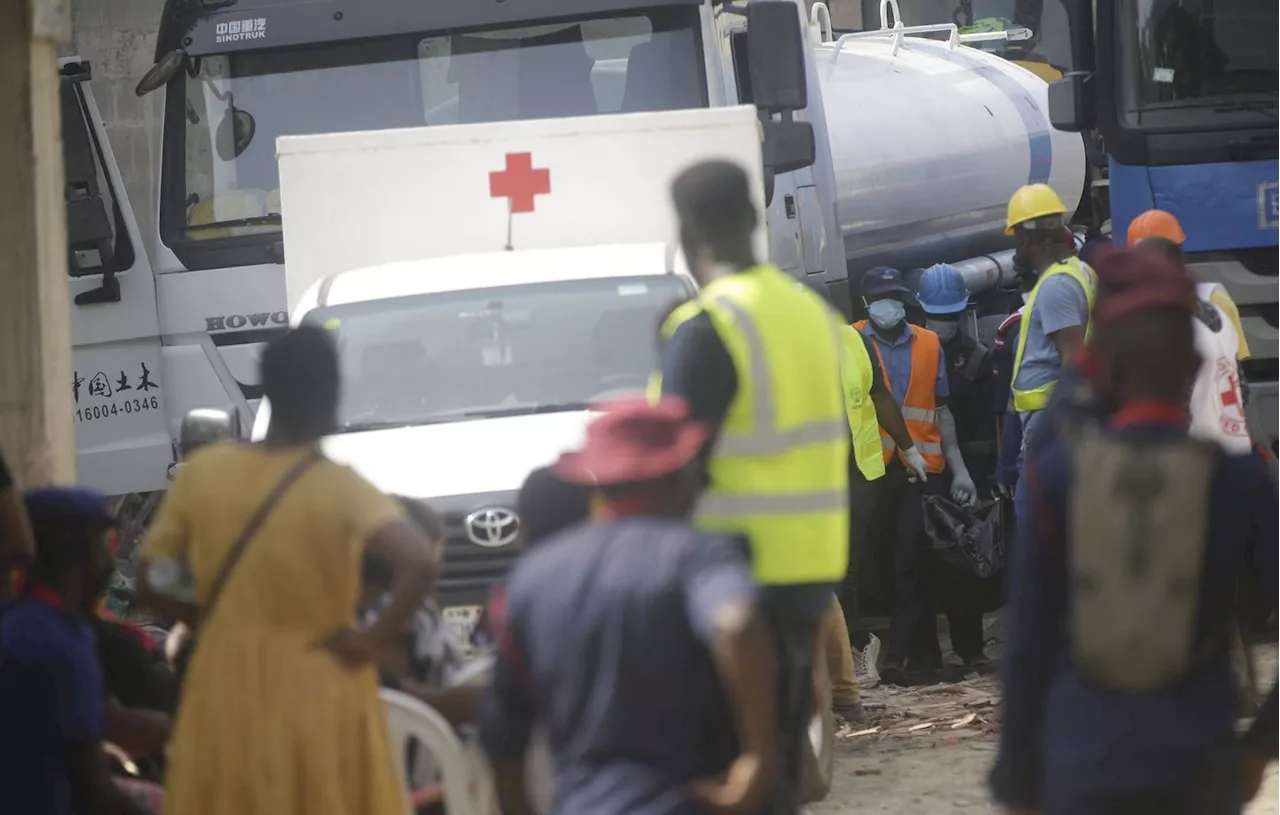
{"x": 280, "y": 712}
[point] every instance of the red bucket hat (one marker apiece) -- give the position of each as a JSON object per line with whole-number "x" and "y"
{"x": 633, "y": 442}
{"x": 1130, "y": 281}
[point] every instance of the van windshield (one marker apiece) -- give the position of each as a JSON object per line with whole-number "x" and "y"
{"x": 237, "y": 104}
{"x": 483, "y": 353}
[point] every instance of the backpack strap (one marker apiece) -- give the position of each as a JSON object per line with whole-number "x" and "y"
{"x": 1207, "y": 313}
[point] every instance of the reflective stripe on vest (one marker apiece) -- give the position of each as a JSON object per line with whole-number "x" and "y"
{"x": 920, "y": 405}
{"x": 779, "y": 471}
{"x": 1036, "y": 398}
{"x": 864, "y": 425}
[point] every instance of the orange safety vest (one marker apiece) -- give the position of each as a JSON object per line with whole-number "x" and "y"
{"x": 920, "y": 408}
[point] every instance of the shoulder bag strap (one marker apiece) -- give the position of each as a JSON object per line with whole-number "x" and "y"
{"x": 255, "y": 523}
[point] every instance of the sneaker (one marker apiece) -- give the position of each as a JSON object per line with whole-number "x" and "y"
{"x": 864, "y": 663}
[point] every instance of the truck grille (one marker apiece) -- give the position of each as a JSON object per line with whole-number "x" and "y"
{"x": 1261, "y": 260}
{"x": 471, "y": 570}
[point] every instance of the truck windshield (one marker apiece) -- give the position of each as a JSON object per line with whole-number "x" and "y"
{"x": 237, "y": 104}
{"x": 515, "y": 350}
{"x": 1188, "y": 63}
{"x": 1047, "y": 53}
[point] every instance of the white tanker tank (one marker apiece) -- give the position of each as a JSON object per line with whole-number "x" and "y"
{"x": 929, "y": 139}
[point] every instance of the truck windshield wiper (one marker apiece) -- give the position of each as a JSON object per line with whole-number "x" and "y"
{"x": 525, "y": 410}
{"x": 257, "y": 220}
{"x": 1251, "y": 106}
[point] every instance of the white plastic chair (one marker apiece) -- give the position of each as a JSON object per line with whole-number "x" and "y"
{"x": 468, "y": 784}
{"x": 540, "y": 776}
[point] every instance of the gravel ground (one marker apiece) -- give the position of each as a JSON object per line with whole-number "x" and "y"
{"x": 939, "y": 781}
{"x": 932, "y": 748}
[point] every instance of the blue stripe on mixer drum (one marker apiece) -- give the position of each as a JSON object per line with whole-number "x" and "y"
{"x": 1039, "y": 143}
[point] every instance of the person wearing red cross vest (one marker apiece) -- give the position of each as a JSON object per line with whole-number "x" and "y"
{"x": 1219, "y": 397}
{"x": 915, "y": 371}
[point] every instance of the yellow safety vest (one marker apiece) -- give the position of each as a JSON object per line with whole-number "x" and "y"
{"x": 780, "y": 468}
{"x": 1036, "y": 398}
{"x": 864, "y": 425}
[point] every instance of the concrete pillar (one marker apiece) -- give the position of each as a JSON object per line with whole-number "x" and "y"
{"x": 35, "y": 346}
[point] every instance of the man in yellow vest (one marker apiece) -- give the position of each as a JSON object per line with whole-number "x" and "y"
{"x": 758, "y": 355}
{"x": 1056, "y": 318}
{"x": 914, "y": 368}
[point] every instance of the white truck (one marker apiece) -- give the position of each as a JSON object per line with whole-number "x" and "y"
{"x": 916, "y": 146}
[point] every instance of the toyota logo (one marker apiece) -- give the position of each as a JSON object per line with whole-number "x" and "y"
{"x": 492, "y": 527}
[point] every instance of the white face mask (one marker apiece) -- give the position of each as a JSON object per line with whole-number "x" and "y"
{"x": 945, "y": 329}
{"x": 886, "y": 313}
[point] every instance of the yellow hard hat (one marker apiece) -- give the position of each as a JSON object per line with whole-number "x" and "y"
{"x": 1033, "y": 201}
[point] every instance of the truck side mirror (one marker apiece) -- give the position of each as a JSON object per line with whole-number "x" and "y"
{"x": 1071, "y": 103}
{"x": 788, "y": 146}
{"x": 203, "y": 426}
{"x": 776, "y": 54}
{"x": 158, "y": 75}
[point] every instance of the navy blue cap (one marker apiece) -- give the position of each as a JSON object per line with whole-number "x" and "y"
{"x": 884, "y": 280}
{"x": 69, "y": 504}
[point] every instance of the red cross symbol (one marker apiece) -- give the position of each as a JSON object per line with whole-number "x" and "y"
{"x": 1229, "y": 397}
{"x": 519, "y": 182}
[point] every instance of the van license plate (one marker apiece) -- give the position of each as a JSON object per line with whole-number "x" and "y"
{"x": 461, "y": 622}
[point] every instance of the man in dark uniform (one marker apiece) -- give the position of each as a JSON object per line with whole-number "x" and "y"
{"x": 52, "y": 697}
{"x": 638, "y": 642}
{"x": 944, "y": 296}
{"x": 1135, "y": 714}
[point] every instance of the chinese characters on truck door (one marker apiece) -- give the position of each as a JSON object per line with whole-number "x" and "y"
{"x": 126, "y": 392}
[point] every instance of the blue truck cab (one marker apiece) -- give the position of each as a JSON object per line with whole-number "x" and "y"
{"x": 1182, "y": 94}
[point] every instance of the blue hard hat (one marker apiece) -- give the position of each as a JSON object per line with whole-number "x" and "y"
{"x": 942, "y": 290}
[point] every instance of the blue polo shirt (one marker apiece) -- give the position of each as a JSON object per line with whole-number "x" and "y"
{"x": 604, "y": 633}
{"x": 51, "y": 694}
{"x": 896, "y": 356}
{"x": 1067, "y": 742}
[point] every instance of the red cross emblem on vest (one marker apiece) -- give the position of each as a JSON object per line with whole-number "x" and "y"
{"x": 1229, "y": 397}
{"x": 520, "y": 183}
{"x": 1231, "y": 414}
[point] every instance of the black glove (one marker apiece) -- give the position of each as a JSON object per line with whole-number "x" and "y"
{"x": 1000, "y": 490}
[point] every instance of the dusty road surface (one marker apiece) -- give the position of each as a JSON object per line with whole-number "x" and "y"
{"x": 926, "y": 750}
{"x": 931, "y": 749}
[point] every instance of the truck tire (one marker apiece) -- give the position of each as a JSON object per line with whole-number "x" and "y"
{"x": 817, "y": 758}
